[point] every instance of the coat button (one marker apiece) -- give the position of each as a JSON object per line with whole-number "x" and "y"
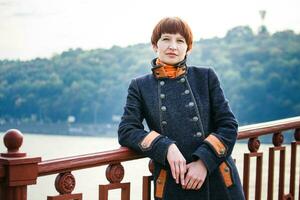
{"x": 195, "y": 118}
{"x": 198, "y": 134}
{"x": 162, "y": 96}
{"x": 186, "y": 92}
{"x": 163, "y": 108}
{"x": 191, "y": 104}
{"x": 182, "y": 80}
{"x": 164, "y": 122}
{"x": 162, "y": 83}
{"x": 226, "y": 169}
{"x": 222, "y": 151}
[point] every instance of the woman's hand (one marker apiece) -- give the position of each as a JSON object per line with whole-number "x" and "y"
{"x": 177, "y": 163}
{"x": 195, "y": 176}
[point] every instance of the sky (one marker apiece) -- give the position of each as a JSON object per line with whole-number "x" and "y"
{"x": 43, "y": 28}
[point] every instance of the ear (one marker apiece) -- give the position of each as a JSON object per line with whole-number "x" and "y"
{"x": 154, "y": 47}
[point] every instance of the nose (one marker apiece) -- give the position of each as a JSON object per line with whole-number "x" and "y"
{"x": 172, "y": 46}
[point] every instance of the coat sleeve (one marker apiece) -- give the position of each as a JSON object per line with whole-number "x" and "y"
{"x": 131, "y": 131}
{"x": 219, "y": 144}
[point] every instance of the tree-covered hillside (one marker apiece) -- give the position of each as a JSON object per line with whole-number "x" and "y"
{"x": 260, "y": 75}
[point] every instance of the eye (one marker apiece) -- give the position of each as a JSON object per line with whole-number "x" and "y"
{"x": 165, "y": 39}
{"x": 181, "y": 40}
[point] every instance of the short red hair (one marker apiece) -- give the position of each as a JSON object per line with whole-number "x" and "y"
{"x": 172, "y": 25}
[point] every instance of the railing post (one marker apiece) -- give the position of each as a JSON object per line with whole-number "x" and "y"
{"x": 17, "y": 169}
{"x": 293, "y": 164}
{"x": 114, "y": 174}
{"x": 253, "y": 146}
{"x": 65, "y": 184}
{"x": 147, "y": 182}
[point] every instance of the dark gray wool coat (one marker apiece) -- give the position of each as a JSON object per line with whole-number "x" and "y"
{"x": 184, "y": 111}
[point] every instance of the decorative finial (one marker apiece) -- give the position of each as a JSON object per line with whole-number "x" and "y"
{"x": 253, "y": 144}
{"x": 65, "y": 183}
{"x": 13, "y": 140}
{"x": 115, "y": 173}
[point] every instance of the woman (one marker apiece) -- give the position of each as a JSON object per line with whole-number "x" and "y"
{"x": 192, "y": 129}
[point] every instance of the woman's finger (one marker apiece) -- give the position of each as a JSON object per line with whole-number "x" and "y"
{"x": 189, "y": 184}
{"x": 182, "y": 172}
{"x": 187, "y": 181}
{"x": 177, "y": 172}
{"x": 195, "y": 184}
{"x": 200, "y": 183}
{"x": 172, "y": 165}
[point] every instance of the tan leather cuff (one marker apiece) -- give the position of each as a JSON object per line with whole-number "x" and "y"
{"x": 160, "y": 184}
{"x": 217, "y": 145}
{"x": 147, "y": 141}
{"x": 226, "y": 174}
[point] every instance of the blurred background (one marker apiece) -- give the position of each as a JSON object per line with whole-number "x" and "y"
{"x": 65, "y": 65}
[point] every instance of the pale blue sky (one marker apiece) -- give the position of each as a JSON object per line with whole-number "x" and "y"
{"x": 40, "y": 28}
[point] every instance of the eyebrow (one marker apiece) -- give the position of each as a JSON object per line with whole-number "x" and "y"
{"x": 169, "y": 34}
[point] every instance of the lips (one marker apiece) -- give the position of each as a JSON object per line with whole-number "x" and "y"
{"x": 171, "y": 54}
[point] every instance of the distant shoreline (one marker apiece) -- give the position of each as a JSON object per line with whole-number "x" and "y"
{"x": 107, "y": 129}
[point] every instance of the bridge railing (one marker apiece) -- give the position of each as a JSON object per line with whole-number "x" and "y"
{"x": 18, "y": 171}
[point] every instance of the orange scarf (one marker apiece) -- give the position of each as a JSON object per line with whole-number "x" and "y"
{"x": 168, "y": 71}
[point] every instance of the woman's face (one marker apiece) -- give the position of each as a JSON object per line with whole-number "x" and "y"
{"x": 171, "y": 48}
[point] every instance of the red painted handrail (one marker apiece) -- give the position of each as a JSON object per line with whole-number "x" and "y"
{"x": 255, "y": 130}
{"x": 86, "y": 161}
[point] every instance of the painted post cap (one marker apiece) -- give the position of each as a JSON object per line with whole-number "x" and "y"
{"x": 13, "y": 140}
